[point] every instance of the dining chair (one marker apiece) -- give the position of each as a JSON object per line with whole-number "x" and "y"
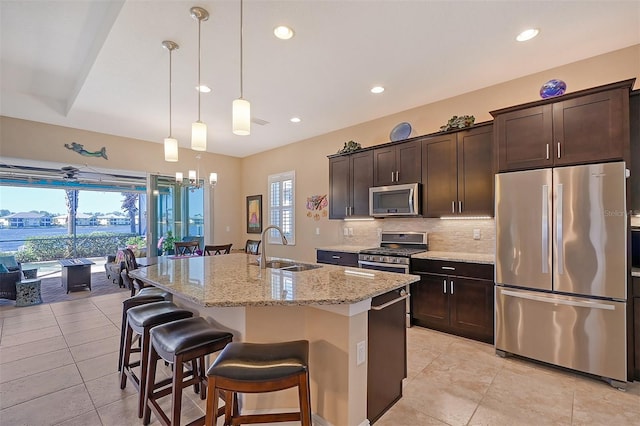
{"x": 187, "y": 248}
{"x": 131, "y": 264}
{"x": 252, "y": 247}
{"x": 212, "y": 250}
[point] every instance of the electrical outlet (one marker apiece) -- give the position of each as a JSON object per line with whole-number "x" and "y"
{"x": 228, "y": 228}
{"x": 345, "y": 231}
{"x": 351, "y": 232}
{"x": 317, "y": 231}
{"x": 476, "y": 234}
{"x": 361, "y": 353}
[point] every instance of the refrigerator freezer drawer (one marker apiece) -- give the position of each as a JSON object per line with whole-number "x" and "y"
{"x": 583, "y": 334}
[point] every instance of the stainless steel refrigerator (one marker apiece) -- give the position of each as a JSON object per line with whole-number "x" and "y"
{"x": 561, "y": 267}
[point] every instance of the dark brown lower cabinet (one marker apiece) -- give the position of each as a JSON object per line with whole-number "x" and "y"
{"x": 341, "y": 258}
{"x": 387, "y": 352}
{"x": 453, "y": 297}
{"x": 636, "y": 326}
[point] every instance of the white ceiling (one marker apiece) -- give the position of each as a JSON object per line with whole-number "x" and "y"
{"x": 100, "y": 65}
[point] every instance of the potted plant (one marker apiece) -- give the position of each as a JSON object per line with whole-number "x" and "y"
{"x": 168, "y": 243}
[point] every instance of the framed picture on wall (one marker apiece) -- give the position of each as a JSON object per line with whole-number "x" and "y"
{"x": 254, "y": 214}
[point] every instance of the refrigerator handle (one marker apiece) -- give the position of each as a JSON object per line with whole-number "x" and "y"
{"x": 559, "y": 248}
{"x": 545, "y": 229}
{"x": 577, "y": 303}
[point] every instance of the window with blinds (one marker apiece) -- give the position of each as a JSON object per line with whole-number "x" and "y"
{"x": 282, "y": 206}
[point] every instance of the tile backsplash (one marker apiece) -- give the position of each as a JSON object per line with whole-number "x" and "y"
{"x": 443, "y": 235}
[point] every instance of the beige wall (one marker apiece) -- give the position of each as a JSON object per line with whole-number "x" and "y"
{"x": 241, "y": 177}
{"x": 28, "y": 140}
{"x": 308, "y": 158}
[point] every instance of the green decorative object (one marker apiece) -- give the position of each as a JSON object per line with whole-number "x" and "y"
{"x": 350, "y": 147}
{"x": 456, "y": 122}
{"x": 167, "y": 243}
{"x": 79, "y": 148}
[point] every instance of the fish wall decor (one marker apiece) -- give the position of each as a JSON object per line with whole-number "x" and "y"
{"x": 79, "y": 148}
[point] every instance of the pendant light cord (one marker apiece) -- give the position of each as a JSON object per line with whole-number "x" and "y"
{"x": 170, "y": 52}
{"x": 241, "y": 50}
{"x": 199, "y": 55}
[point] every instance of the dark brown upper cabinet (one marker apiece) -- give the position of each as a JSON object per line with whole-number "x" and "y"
{"x": 397, "y": 164}
{"x": 457, "y": 173}
{"x": 583, "y": 127}
{"x": 350, "y": 177}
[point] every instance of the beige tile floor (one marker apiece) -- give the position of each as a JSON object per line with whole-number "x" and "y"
{"x": 68, "y": 353}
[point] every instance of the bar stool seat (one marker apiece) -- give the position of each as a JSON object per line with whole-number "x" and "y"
{"x": 140, "y": 319}
{"x": 257, "y": 368}
{"x": 144, "y": 296}
{"x": 178, "y": 342}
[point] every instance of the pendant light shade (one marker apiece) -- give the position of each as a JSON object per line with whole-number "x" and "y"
{"x": 170, "y": 150}
{"x": 170, "y": 144}
{"x": 199, "y": 129}
{"x": 241, "y": 117}
{"x": 241, "y": 108}
{"x": 199, "y": 136}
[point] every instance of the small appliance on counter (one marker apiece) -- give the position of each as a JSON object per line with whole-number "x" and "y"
{"x": 394, "y": 255}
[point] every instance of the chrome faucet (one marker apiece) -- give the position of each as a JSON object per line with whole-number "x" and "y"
{"x": 263, "y": 256}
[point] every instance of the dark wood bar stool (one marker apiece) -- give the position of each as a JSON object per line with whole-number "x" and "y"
{"x": 144, "y": 296}
{"x": 140, "y": 320}
{"x": 178, "y": 342}
{"x": 257, "y": 368}
{"x": 212, "y": 250}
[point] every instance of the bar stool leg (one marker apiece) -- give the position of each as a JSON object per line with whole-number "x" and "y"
{"x": 212, "y": 404}
{"x": 305, "y": 399}
{"x": 151, "y": 371}
{"x": 126, "y": 354}
{"x": 176, "y": 390}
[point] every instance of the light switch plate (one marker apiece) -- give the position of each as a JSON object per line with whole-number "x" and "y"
{"x": 476, "y": 234}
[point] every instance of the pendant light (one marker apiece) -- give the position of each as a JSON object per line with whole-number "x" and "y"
{"x": 170, "y": 143}
{"x": 241, "y": 108}
{"x": 199, "y": 129}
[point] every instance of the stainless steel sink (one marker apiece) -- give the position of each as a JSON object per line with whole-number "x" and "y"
{"x": 300, "y": 267}
{"x": 290, "y": 266}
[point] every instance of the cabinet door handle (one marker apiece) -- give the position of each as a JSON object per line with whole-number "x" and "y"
{"x": 558, "y": 149}
{"x": 453, "y": 207}
{"x": 397, "y": 176}
{"x": 444, "y": 286}
{"x": 459, "y": 206}
{"x": 547, "y": 151}
{"x": 451, "y": 282}
{"x": 335, "y": 257}
{"x": 346, "y": 211}
{"x": 448, "y": 268}
{"x": 392, "y": 176}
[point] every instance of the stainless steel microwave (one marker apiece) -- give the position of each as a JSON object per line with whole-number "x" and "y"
{"x": 394, "y": 200}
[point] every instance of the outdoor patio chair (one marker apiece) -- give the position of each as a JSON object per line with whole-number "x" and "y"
{"x": 130, "y": 264}
{"x": 11, "y": 263}
{"x": 8, "y": 282}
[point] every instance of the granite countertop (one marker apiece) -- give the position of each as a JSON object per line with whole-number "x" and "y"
{"x": 457, "y": 257}
{"x": 236, "y": 280}
{"x": 344, "y": 248}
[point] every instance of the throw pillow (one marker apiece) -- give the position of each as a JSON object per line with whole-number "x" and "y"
{"x": 3, "y": 269}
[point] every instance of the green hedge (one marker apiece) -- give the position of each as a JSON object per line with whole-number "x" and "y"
{"x": 96, "y": 244}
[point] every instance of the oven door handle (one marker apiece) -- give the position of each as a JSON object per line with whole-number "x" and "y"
{"x": 383, "y": 265}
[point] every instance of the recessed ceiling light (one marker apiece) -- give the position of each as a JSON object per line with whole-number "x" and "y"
{"x": 203, "y": 88}
{"x": 527, "y": 34}
{"x": 295, "y": 119}
{"x": 377, "y": 89}
{"x": 283, "y": 32}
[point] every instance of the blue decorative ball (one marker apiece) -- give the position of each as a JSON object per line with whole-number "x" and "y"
{"x": 553, "y": 88}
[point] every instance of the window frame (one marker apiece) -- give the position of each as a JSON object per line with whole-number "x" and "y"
{"x": 272, "y": 236}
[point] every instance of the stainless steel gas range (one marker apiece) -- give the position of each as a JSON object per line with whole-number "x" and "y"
{"x": 394, "y": 255}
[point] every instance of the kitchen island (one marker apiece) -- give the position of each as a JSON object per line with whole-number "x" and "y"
{"x": 328, "y": 306}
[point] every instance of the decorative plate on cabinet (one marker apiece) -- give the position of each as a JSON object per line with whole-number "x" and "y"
{"x": 400, "y": 132}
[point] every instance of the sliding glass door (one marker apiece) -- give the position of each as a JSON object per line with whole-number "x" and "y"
{"x": 174, "y": 212}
